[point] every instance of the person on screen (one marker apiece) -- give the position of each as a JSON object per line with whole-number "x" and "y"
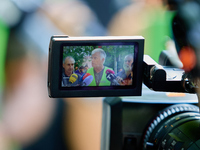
{"x": 85, "y": 68}
{"x": 69, "y": 77}
{"x": 98, "y": 70}
{"x": 80, "y": 70}
{"x": 124, "y": 77}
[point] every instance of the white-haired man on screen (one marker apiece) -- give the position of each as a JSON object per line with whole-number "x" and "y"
{"x": 98, "y": 70}
{"x": 124, "y": 77}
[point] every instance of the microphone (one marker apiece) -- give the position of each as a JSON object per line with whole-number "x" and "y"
{"x": 81, "y": 78}
{"x": 110, "y": 76}
{"x": 110, "y": 71}
{"x": 73, "y": 78}
{"x": 87, "y": 80}
{"x": 86, "y": 75}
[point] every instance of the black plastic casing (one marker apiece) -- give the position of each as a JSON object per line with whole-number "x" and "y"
{"x": 55, "y": 61}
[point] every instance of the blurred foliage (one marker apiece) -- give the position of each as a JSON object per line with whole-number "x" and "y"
{"x": 116, "y": 54}
{"x": 4, "y": 34}
{"x": 78, "y": 53}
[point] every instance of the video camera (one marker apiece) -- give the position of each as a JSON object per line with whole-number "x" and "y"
{"x": 142, "y": 133}
{"x": 135, "y": 117}
{"x": 155, "y": 76}
{"x": 144, "y": 68}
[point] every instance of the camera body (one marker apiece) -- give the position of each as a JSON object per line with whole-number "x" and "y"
{"x": 155, "y": 120}
{"x": 158, "y": 120}
{"x": 134, "y": 117}
{"x": 116, "y": 48}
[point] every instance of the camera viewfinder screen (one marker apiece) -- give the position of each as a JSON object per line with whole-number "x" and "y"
{"x": 98, "y": 66}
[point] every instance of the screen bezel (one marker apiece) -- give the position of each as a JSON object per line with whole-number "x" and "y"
{"x": 56, "y": 59}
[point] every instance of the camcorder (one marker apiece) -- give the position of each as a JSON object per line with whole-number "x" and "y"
{"x": 135, "y": 116}
{"x": 171, "y": 123}
{"x": 116, "y": 49}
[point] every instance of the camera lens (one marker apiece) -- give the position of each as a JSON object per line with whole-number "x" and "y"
{"x": 176, "y": 127}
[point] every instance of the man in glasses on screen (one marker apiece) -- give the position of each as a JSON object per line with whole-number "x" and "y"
{"x": 98, "y": 70}
{"x": 69, "y": 77}
{"x": 124, "y": 77}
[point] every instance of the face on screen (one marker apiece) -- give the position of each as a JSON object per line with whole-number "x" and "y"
{"x": 98, "y": 65}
